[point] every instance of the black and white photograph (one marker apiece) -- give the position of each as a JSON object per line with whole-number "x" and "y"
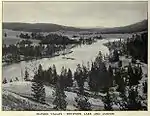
{"x": 74, "y": 56}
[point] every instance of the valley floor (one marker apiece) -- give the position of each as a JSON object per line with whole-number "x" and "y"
{"x": 17, "y": 95}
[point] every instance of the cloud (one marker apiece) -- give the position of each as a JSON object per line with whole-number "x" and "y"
{"x": 83, "y": 14}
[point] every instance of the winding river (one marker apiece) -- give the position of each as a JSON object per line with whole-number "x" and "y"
{"x": 80, "y": 55}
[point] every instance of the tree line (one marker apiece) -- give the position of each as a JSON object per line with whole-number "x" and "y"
{"x": 48, "y": 46}
{"x": 135, "y": 46}
{"x": 13, "y": 53}
{"x": 57, "y": 39}
{"x": 100, "y": 79}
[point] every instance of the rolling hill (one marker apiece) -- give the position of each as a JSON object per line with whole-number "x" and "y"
{"x": 48, "y": 27}
{"x": 137, "y": 27}
{"x": 37, "y": 27}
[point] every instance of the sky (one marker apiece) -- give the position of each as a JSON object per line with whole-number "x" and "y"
{"x": 76, "y": 14}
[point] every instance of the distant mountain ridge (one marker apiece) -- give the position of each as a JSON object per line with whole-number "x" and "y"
{"x": 48, "y": 27}
{"x": 136, "y": 27}
{"x": 37, "y": 27}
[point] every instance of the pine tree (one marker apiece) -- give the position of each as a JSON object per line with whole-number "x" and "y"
{"x": 139, "y": 73}
{"x": 99, "y": 77}
{"x": 116, "y": 56}
{"x": 110, "y": 70}
{"x": 133, "y": 100}
{"x": 131, "y": 75}
{"x": 5, "y": 34}
{"x": 38, "y": 90}
{"x": 107, "y": 101}
{"x": 82, "y": 103}
{"x": 123, "y": 102}
{"x": 26, "y": 78}
{"x": 120, "y": 79}
{"x": 121, "y": 86}
{"x": 111, "y": 75}
{"x": 78, "y": 75}
{"x": 105, "y": 80}
{"x": 54, "y": 74}
{"x": 4, "y": 81}
{"x": 99, "y": 59}
{"x": 40, "y": 70}
{"x": 93, "y": 79}
{"x": 49, "y": 77}
{"x": 69, "y": 78}
{"x": 102, "y": 67}
{"x": 145, "y": 87}
{"x": 88, "y": 66}
{"x": 135, "y": 74}
{"x": 85, "y": 72}
{"x": 11, "y": 80}
{"x": 59, "y": 100}
{"x": 63, "y": 78}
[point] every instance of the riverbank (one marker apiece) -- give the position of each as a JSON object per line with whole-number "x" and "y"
{"x": 58, "y": 53}
{"x": 82, "y": 54}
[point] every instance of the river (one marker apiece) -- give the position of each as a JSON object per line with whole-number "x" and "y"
{"x": 80, "y": 55}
